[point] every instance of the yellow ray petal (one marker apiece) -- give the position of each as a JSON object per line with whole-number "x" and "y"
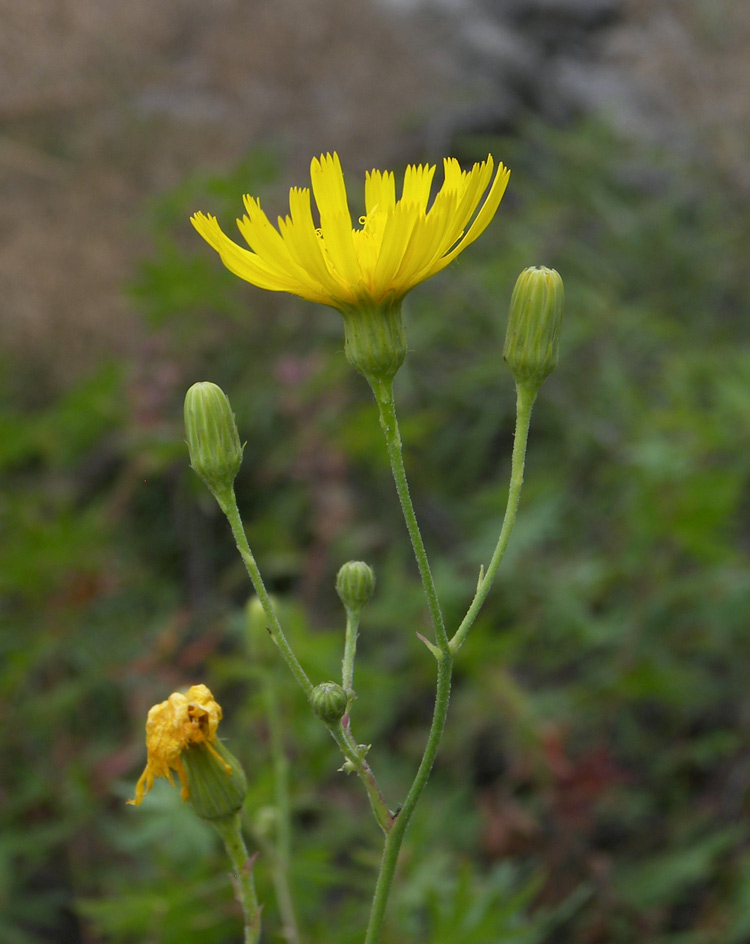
{"x": 247, "y": 265}
{"x": 396, "y": 237}
{"x": 335, "y": 218}
{"x": 380, "y": 191}
{"x": 303, "y": 243}
{"x": 266, "y": 241}
{"x": 417, "y": 185}
{"x": 485, "y": 214}
{"x": 398, "y": 244}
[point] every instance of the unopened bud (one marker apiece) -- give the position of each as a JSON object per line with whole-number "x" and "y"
{"x": 216, "y": 782}
{"x": 212, "y": 437}
{"x": 533, "y": 336}
{"x": 355, "y": 584}
{"x": 329, "y": 702}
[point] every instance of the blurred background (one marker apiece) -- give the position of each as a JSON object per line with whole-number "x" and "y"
{"x": 593, "y": 785}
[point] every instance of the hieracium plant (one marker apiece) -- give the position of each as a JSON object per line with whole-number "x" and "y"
{"x": 365, "y": 272}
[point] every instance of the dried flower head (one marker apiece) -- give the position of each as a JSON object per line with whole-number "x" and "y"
{"x": 172, "y": 727}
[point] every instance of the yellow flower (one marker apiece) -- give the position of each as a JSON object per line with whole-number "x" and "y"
{"x": 172, "y": 727}
{"x": 398, "y": 244}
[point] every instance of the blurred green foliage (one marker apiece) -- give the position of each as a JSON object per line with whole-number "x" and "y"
{"x": 593, "y": 782}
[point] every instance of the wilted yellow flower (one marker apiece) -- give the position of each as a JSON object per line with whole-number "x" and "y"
{"x": 172, "y": 727}
{"x": 399, "y": 243}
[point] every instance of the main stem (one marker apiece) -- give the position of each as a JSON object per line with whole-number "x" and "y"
{"x": 395, "y": 837}
{"x": 383, "y": 391}
{"x": 445, "y": 648}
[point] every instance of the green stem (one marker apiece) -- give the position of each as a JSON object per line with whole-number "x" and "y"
{"x": 230, "y": 831}
{"x": 228, "y": 504}
{"x": 283, "y": 845}
{"x": 383, "y": 391}
{"x": 525, "y": 397}
{"x": 395, "y": 836}
{"x": 355, "y": 755}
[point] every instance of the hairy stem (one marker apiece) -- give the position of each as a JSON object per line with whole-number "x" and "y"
{"x": 350, "y": 650}
{"x": 525, "y": 397}
{"x": 228, "y": 504}
{"x": 443, "y": 654}
{"x": 395, "y": 835}
{"x": 230, "y": 831}
{"x": 389, "y": 423}
{"x": 445, "y": 648}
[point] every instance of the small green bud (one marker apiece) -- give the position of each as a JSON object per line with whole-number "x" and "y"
{"x": 212, "y": 438}
{"x": 374, "y": 339}
{"x": 533, "y": 336}
{"x": 216, "y": 782}
{"x": 355, "y": 583}
{"x": 329, "y": 702}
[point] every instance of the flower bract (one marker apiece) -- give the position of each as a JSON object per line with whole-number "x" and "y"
{"x": 398, "y": 243}
{"x": 172, "y": 727}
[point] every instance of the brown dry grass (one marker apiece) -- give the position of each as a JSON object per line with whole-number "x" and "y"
{"x": 105, "y": 104}
{"x": 689, "y": 62}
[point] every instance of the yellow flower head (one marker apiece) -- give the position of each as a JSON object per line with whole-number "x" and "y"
{"x": 171, "y": 728}
{"x": 398, "y": 244}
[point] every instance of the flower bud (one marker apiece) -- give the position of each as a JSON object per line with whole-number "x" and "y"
{"x": 329, "y": 702}
{"x": 355, "y": 583}
{"x": 216, "y": 782}
{"x": 533, "y": 335}
{"x": 212, "y": 438}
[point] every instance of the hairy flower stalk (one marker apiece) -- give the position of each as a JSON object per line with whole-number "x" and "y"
{"x": 355, "y": 583}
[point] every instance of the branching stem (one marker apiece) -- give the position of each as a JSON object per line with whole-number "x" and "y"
{"x": 228, "y": 504}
